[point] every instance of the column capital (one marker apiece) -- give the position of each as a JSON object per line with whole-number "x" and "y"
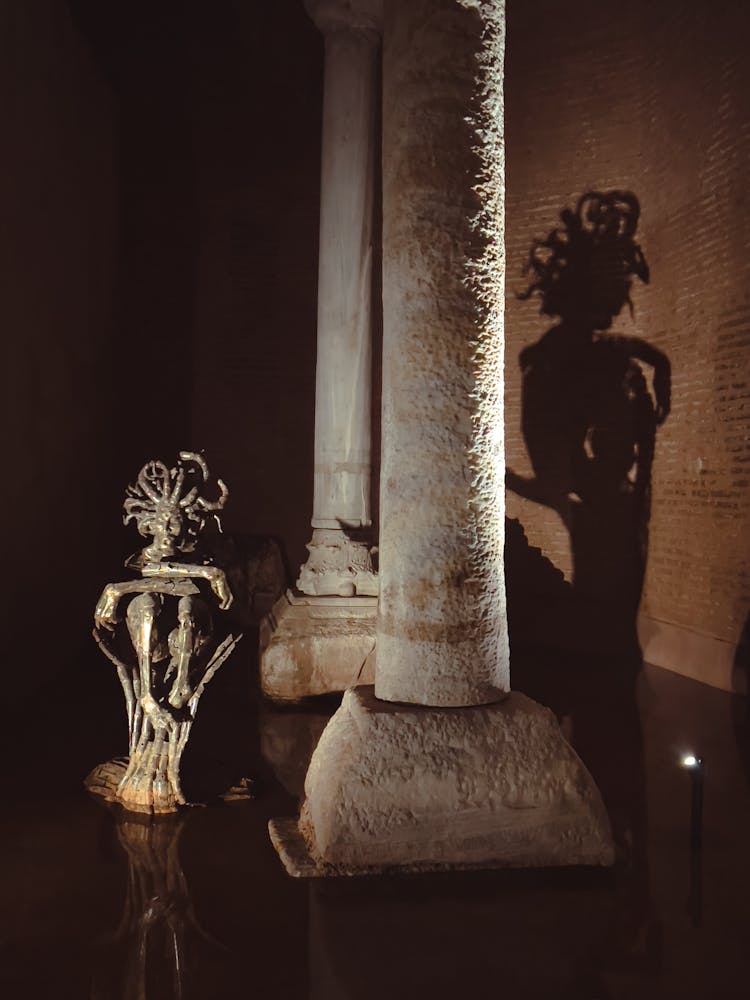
{"x": 347, "y": 15}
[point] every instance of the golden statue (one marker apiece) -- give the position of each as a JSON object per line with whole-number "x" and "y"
{"x": 164, "y": 645}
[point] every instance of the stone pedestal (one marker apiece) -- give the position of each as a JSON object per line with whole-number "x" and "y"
{"x": 467, "y": 774}
{"x": 421, "y": 789}
{"x": 317, "y": 645}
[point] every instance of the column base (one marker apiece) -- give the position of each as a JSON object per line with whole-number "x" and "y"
{"x": 339, "y": 564}
{"x": 317, "y": 645}
{"x": 411, "y": 788}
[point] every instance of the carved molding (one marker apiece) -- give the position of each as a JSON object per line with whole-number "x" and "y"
{"x": 338, "y": 564}
{"x": 347, "y": 15}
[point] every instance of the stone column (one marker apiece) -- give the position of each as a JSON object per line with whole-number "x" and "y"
{"x": 339, "y": 561}
{"x": 442, "y": 631}
{"x": 468, "y": 774}
{"x": 322, "y": 639}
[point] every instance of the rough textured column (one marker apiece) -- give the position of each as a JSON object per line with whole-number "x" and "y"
{"x": 442, "y": 629}
{"x": 339, "y": 561}
{"x": 464, "y": 776}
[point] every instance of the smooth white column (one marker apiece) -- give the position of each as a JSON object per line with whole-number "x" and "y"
{"x": 339, "y": 561}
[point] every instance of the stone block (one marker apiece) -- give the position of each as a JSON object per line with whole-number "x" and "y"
{"x": 394, "y": 787}
{"x": 317, "y": 645}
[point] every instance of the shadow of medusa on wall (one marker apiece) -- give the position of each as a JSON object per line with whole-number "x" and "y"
{"x": 588, "y": 417}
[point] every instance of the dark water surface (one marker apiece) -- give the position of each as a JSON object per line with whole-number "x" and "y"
{"x": 99, "y": 904}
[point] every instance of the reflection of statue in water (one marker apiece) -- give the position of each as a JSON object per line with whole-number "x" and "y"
{"x": 165, "y": 650}
{"x": 588, "y": 417}
{"x": 158, "y": 941}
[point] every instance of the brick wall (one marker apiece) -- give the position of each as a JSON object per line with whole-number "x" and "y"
{"x": 653, "y": 98}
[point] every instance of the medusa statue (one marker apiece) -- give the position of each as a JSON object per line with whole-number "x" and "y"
{"x": 166, "y": 646}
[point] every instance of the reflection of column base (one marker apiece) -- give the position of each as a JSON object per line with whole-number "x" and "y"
{"x": 317, "y": 645}
{"x": 287, "y": 741}
{"x": 339, "y": 564}
{"x": 424, "y": 789}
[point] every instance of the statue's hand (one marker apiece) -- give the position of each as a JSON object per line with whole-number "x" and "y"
{"x": 160, "y": 716}
{"x": 215, "y": 576}
{"x": 105, "y": 613}
{"x": 220, "y": 587}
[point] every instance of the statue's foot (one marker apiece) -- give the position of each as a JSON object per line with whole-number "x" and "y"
{"x": 105, "y": 778}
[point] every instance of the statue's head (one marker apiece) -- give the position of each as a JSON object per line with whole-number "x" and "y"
{"x": 167, "y": 506}
{"x": 583, "y": 271}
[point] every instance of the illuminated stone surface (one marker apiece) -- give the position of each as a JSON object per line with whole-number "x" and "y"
{"x": 442, "y": 632}
{"x": 317, "y": 645}
{"x": 421, "y": 788}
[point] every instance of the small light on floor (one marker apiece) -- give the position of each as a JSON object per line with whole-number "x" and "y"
{"x": 694, "y": 765}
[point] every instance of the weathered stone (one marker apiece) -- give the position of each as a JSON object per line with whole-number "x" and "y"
{"x": 317, "y": 645}
{"x": 423, "y": 788}
{"x": 442, "y": 634}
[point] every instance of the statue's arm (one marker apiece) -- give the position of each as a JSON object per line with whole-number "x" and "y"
{"x": 650, "y": 355}
{"x": 106, "y": 613}
{"x": 531, "y": 488}
{"x": 215, "y": 576}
